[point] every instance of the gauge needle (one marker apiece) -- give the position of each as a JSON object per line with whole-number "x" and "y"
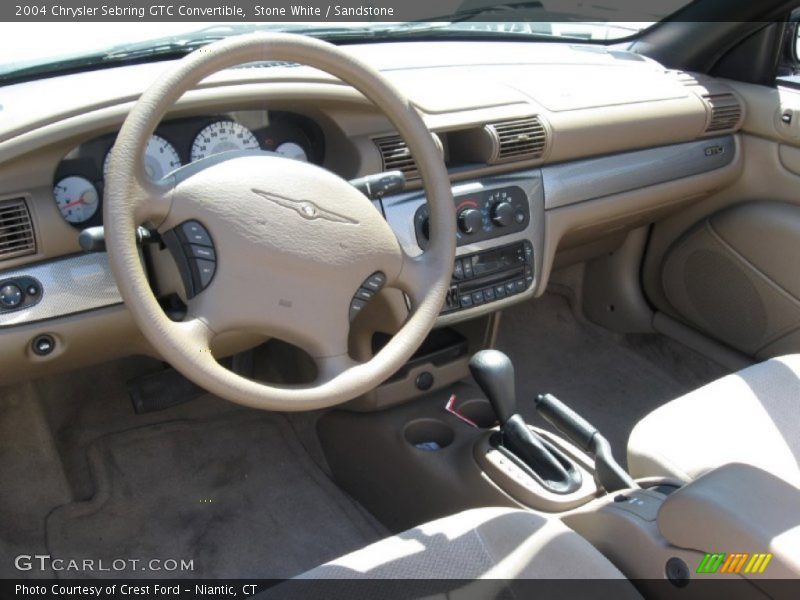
{"x": 74, "y": 202}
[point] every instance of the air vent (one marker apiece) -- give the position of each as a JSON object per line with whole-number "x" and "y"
{"x": 396, "y": 155}
{"x": 16, "y": 229}
{"x": 520, "y": 139}
{"x": 726, "y": 112}
{"x": 685, "y": 78}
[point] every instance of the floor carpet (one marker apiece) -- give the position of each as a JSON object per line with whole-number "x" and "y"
{"x": 239, "y": 496}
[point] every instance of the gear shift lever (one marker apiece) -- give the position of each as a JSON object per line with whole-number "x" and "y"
{"x": 494, "y": 373}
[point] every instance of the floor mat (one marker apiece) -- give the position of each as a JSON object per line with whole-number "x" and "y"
{"x": 591, "y": 369}
{"x": 238, "y": 496}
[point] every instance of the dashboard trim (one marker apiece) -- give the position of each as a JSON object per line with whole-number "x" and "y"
{"x": 70, "y": 285}
{"x": 578, "y": 181}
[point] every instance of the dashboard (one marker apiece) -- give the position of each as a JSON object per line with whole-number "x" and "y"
{"x": 79, "y": 177}
{"x": 555, "y": 152}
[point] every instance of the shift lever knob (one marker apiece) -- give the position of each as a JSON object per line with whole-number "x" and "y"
{"x": 495, "y": 375}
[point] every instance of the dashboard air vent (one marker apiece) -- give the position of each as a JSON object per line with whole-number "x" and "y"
{"x": 685, "y": 78}
{"x": 16, "y": 229}
{"x": 520, "y": 139}
{"x": 396, "y": 155}
{"x": 726, "y": 112}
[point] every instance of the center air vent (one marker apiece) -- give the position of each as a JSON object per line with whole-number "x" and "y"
{"x": 16, "y": 229}
{"x": 396, "y": 155}
{"x": 725, "y": 112}
{"x": 519, "y": 139}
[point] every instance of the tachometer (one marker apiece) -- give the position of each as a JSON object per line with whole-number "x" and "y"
{"x": 222, "y": 136}
{"x": 77, "y": 199}
{"x": 160, "y": 158}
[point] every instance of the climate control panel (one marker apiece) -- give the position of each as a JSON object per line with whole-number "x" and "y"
{"x": 482, "y": 215}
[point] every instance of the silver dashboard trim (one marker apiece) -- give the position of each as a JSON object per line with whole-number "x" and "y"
{"x": 69, "y": 285}
{"x": 582, "y": 180}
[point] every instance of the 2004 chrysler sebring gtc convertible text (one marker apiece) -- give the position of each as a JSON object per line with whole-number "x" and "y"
{"x": 504, "y": 302}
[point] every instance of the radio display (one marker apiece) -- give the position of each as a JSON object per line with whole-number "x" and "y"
{"x": 496, "y": 260}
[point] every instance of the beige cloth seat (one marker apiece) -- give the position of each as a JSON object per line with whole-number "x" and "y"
{"x": 484, "y": 543}
{"x": 750, "y": 417}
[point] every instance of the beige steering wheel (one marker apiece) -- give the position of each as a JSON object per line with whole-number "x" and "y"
{"x": 293, "y": 241}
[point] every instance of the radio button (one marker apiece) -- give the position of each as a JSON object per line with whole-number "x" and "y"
{"x": 458, "y": 270}
{"x": 468, "y": 272}
{"x": 477, "y": 298}
{"x": 500, "y": 291}
{"x": 520, "y": 285}
{"x": 488, "y": 294}
{"x": 466, "y": 301}
{"x": 510, "y": 288}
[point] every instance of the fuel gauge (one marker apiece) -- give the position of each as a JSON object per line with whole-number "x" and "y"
{"x": 77, "y": 199}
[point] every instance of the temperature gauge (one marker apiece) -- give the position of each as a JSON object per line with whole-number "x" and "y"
{"x": 77, "y": 199}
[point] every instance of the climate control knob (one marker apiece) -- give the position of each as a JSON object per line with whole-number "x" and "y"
{"x": 470, "y": 220}
{"x": 503, "y": 214}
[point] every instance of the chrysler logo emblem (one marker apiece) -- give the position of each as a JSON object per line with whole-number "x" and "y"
{"x": 305, "y": 208}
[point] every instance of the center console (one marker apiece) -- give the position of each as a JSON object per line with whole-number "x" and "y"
{"x": 500, "y": 233}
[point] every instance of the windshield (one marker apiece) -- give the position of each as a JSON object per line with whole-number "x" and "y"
{"x": 32, "y": 49}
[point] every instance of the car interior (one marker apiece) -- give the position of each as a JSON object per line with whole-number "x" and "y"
{"x": 428, "y": 307}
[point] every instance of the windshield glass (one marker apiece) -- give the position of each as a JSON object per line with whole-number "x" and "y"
{"x": 39, "y": 48}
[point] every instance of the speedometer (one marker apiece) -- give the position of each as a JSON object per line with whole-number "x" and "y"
{"x": 222, "y": 136}
{"x": 160, "y": 158}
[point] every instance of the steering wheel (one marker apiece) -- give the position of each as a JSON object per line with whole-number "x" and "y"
{"x": 293, "y": 242}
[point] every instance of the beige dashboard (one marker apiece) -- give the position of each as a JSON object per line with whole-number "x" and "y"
{"x": 619, "y": 142}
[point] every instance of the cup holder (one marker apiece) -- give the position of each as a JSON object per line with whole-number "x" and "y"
{"x": 479, "y": 411}
{"x": 429, "y": 434}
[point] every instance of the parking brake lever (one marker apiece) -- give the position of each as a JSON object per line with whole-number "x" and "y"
{"x": 608, "y": 472}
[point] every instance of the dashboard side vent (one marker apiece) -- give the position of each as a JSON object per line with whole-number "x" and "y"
{"x": 726, "y": 112}
{"x": 685, "y": 78}
{"x": 396, "y": 156}
{"x": 16, "y": 229}
{"x": 520, "y": 138}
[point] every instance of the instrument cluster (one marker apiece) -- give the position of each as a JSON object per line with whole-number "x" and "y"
{"x": 79, "y": 179}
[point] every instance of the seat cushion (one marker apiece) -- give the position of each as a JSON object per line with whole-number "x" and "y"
{"x": 491, "y": 543}
{"x": 750, "y": 417}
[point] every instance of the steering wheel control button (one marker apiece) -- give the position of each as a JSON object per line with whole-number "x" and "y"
{"x": 204, "y": 252}
{"x": 10, "y": 296}
{"x": 375, "y": 281}
{"x": 42, "y": 345}
{"x": 205, "y": 272}
{"x": 195, "y": 233}
{"x": 193, "y": 250}
{"x": 364, "y": 294}
{"x": 371, "y": 286}
{"x": 355, "y": 307}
